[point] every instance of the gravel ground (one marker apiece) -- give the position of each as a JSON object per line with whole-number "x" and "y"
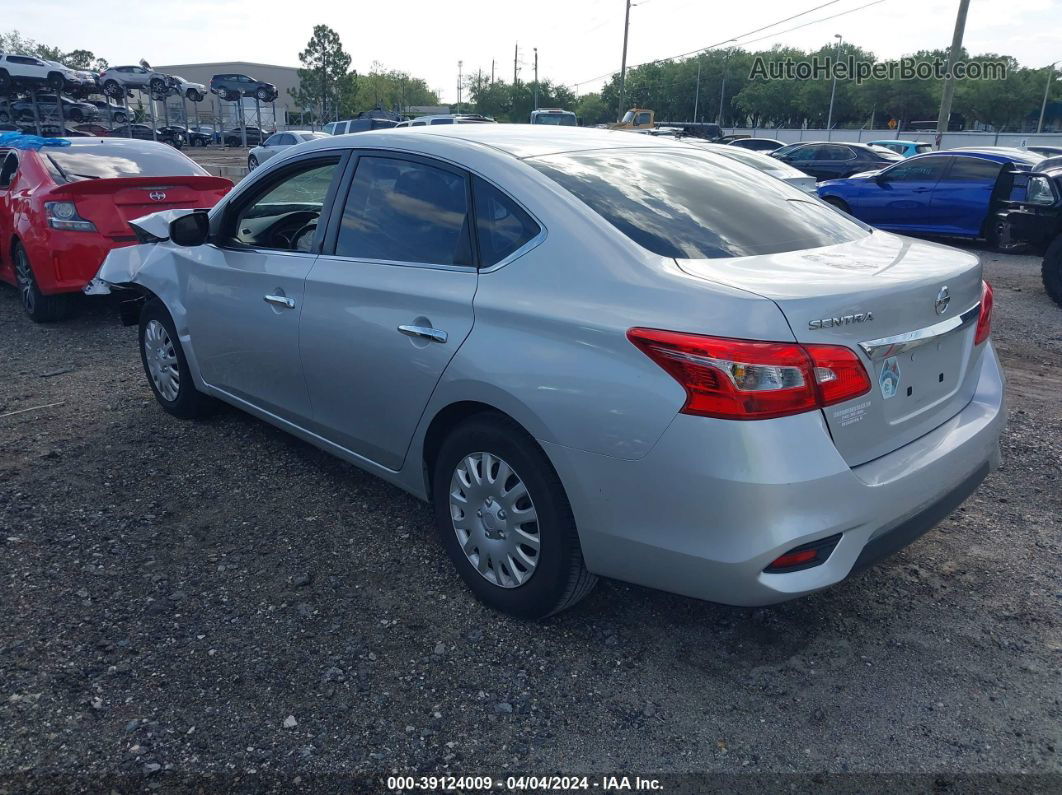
{"x": 179, "y": 599}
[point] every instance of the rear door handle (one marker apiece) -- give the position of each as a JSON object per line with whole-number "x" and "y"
{"x": 280, "y": 300}
{"x": 433, "y": 334}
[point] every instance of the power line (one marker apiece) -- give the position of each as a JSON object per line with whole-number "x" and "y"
{"x": 710, "y": 46}
{"x": 749, "y": 33}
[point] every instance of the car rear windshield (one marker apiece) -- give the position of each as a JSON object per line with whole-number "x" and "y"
{"x": 108, "y": 162}
{"x": 697, "y": 205}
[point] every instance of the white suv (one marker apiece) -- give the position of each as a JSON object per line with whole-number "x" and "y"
{"x": 195, "y": 92}
{"x": 25, "y": 69}
{"x": 117, "y": 80}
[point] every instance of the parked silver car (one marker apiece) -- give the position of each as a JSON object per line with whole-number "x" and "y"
{"x": 594, "y": 354}
{"x": 277, "y": 143}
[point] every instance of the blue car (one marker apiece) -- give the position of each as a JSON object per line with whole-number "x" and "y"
{"x": 905, "y": 148}
{"x": 951, "y": 193}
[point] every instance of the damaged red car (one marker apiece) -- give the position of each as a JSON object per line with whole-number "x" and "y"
{"x": 64, "y": 204}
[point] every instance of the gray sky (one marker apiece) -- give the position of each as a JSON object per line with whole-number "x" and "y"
{"x": 577, "y": 39}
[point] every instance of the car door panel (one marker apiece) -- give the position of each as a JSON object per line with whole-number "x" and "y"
{"x": 373, "y": 296}
{"x": 900, "y": 197}
{"x": 963, "y": 197}
{"x": 244, "y": 298}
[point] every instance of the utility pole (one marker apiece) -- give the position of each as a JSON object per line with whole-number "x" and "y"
{"x": 1047, "y": 90}
{"x": 516, "y": 57}
{"x": 623, "y": 63}
{"x": 459, "y": 81}
{"x": 536, "y": 78}
{"x": 697, "y": 93}
{"x": 722, "y": 89}
{"x": 833, "y": 88}
{"x": 492, "y": 71}
{"x": 949, "y": 78}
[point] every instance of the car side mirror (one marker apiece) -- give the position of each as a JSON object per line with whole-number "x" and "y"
{"x": 192, "y": 229}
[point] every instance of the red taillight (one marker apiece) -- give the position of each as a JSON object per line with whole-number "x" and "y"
{"x": 984, "y": 319}
{"x": 749, "y": 380}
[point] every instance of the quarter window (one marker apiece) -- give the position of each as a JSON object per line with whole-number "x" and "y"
{"x": 284, "y": 214}
{"x": 405, "y": 211}
{"x": 501, "y": 225}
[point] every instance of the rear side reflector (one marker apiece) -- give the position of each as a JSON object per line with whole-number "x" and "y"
{"x": 748, "y": 380}
{"x": 984, "y": 319}
{"x": 814, "y": 553}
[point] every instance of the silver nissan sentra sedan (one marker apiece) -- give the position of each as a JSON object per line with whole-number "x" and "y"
{"x": 595, "y": 354}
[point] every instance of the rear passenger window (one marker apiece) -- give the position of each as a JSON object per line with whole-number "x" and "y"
{"x": 972, "y": 169}
{"x": 501, "y": 225}
{"x": 405, "y": 211}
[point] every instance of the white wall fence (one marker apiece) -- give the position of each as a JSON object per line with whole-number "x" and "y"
{"x": 951, "y": 140}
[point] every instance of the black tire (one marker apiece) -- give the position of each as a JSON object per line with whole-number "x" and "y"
{"x": 56, "y": 81}
{"x": 41, "y": 308}
{"x": 559, "y": 578}
{"x": 263, "y": 94}
{"x": 194, "y": 96}
{"x": 1051, "y": 270}
{"x": 120, "y": 118}
{"x": 5, "y": 117}
{"x": 112, "y": 89}
{"x": 189, "y": 402}
{"x": 5, "y": 81}
{"x": 840, "y": 204}
{"x": 76, "y": 115}
{"x": 252, "y": 163}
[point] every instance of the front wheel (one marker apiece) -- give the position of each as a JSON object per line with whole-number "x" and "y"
{"x": 504, "y": 519}
{"x": 41, "y": 308}
{"x": 56, "y": 81}
{"x": 194, "y": 96}
{"x": 1051, "y": 271}
{"x": 165, "y": 366}
{"x": 252, "y": 163}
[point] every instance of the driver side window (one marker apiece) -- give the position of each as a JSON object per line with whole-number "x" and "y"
{"x": 283, "y": 215}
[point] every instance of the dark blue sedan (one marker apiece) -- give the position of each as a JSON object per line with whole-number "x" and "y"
{"x": 949, "y": 193}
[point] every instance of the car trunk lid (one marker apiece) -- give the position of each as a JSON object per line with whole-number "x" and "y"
{"x": 908, "y": 309}
{"x": 112, "y": 203}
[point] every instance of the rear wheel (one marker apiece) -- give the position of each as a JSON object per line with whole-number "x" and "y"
{"x": 112, "y": 89}
{"x": 1051, "y": 270}
{"x": 5, "y": 80}
{"x": 56, "y": 81}
{"x": 41, "y": 308}
{"x": 165, "y": 366}
{"x": 264, "y": 95}
{"x": 504, "y": 519}
{"x": 194, "y": 95}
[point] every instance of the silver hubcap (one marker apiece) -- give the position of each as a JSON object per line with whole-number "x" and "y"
{"x": 161, "y": 360}
{"x": 24, "y": 276}
{"x": 494, "y": 519}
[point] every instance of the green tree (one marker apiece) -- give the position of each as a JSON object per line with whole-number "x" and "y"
{"x": 591, "y": 110}
{"x": 325, "y": 78}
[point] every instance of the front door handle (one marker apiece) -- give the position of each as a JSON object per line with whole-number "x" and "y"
{"x": 280, "y": 300}
{"x": 433, "y": 334}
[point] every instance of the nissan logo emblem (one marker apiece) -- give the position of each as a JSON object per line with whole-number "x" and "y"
{"x": 159, "y": 196}
{"x": 943, "y": 299}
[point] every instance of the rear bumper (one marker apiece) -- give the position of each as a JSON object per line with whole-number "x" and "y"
{"x": 715, "y": 502}
{"x": 66, "y": 261}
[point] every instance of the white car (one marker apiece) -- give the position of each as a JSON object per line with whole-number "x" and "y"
{"x": 118, "y": 80}
{"x": 25, "y": 69}
{"x": 446, "y": 118}
{"x": 194, "y": 92}
{"x": 762, "y": 162}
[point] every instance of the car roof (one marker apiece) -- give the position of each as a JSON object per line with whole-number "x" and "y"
{"x": 112, "y": 144}
{"x": 1000, "y": 154}
{"x": 518, "y": 140}
{"x": 903, "y": 141}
